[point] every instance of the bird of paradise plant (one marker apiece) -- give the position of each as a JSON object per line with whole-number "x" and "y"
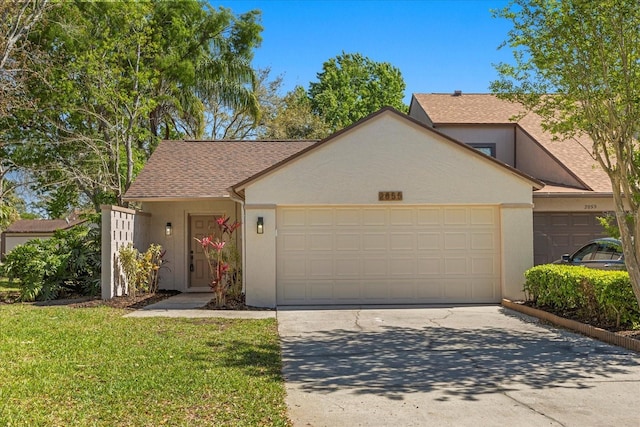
{"x": 219, "y": 267}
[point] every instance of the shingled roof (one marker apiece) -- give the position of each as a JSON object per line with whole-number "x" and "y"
{"x": 470, "y": 109}
{"x": 206, "y": 168}
{"x": 36, "y": 226}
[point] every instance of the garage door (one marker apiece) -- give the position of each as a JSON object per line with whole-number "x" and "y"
{"x": 387, "y": 255}
{"x": 558, "y": 233}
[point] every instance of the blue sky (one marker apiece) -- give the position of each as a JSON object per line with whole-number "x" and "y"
{"x": 438, "y": 45}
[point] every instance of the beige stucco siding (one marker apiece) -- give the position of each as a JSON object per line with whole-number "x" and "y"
{"x": 175, "y": 276}
{"x": 572, "y": 203}
{"x": 389, "y": 155}
{"x": 535, "y": 161}
{"x": 502, "y": 136}
{"x": 417, "y": 112}
{"x": 11, "y": 241}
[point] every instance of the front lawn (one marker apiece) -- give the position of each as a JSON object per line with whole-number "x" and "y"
{"x": 64, "y": 366}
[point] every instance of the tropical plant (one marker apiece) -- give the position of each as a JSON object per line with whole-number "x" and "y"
{"x": 224, "y": 264}
{"x": 67, "y": 263}
{"x": 141, "y": 269}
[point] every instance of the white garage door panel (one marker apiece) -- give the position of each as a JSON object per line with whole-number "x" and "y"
{"x": 378, "y": 255}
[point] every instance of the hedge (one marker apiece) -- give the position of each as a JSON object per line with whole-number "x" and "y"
{"x": 601, "y": 295}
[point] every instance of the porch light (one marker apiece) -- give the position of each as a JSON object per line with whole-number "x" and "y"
{"x": 168, "y": 229}
{"x": 260, "y": 225}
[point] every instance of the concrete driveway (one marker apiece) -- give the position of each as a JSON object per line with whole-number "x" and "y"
{"x": 458, "y": 366}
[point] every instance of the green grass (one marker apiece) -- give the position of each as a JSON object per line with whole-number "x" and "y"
{"x": 63, "y": 366}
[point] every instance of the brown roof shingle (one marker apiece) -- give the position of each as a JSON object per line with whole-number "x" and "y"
{"x": 207, "y": 168}
{"x": 41, "y": 225}
{"x": 470, "y": 109}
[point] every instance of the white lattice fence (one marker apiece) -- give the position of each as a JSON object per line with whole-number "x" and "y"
{"x": 120, "y": 227}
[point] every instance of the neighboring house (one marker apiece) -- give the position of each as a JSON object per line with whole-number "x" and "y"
{"x": 24, "y": 230}
{"x": 387, "y": 211}
{"x": 576, "y": 189}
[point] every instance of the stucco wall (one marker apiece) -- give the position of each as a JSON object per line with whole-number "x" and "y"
{"x": 260, "y": 253}
{"x": 387, "y": 154}
{"x": 11, "y": 241}
{"x": 533, "y": 160}
{"x": 571, "y": 203}
{"x": 517, "y": 248}
{"x": 418, "y": 113}
{"x": 175, "y": 276}
{"x": 501, "y": 135}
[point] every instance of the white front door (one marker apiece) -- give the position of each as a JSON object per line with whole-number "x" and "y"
{"x": 388, "y": 255}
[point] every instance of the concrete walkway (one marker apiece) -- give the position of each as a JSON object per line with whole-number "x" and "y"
{"x": 190, "y": 305}
{"x": 452, "y": 366}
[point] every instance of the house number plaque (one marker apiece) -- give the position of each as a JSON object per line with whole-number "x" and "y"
{"x": 389, "y": 196}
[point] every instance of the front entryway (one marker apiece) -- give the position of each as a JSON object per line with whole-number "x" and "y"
{"x": 200, "y": 226}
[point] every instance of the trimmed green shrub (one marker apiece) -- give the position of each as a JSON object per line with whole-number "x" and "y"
{"x": 594, "y": 294}
{"x": 68, "y": 263}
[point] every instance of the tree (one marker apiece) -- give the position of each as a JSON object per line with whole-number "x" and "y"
{"x": 117, "y": 76}
{"x": 17, "y": 19}
{"x": 294, "y": 119}
{"x": 577, "y": 65}
{"x": 223, "y": 122}
{"x": 352, "y": 86}
{"x": 206, "y": 59}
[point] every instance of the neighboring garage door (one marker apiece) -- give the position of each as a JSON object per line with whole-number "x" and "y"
{"x": 388, "y": 255}
{"x": 558, "y": 233}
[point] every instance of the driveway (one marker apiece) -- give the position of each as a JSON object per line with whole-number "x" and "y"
{"x": 453, "y": 366}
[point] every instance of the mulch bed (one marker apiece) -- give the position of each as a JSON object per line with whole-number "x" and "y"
{"x": 234, "y": 303}
{"x": 577, "y": 316}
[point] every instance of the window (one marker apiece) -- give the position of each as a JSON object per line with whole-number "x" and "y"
{"x": 609, "y": 250}
{"x": 489, "y": 149}
{"x": 587, "y": 253}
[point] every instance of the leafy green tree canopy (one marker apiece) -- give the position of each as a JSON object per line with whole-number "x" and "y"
{"x": 294, "y": 119}
{"x": 351, "y": 86}
{"x": 114, "y": 78}
{"x": 577, "y": 64}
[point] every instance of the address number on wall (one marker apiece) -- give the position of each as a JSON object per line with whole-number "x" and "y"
{"x": 389, "y": 196}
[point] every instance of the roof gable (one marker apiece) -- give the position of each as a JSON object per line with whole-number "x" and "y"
{"x": 482, "y": 109}
{"x": 205, "y": 169}
{"x": 385, "y": 148}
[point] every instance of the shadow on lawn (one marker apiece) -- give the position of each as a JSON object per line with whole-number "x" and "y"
{"x": 464, "y": 363}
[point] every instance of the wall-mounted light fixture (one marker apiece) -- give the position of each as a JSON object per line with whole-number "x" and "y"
{"x": 168, "y": 229}
{"x": 260, "y": 225}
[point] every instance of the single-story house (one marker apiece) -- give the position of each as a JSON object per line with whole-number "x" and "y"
{"x": 390, "y": 210}
{"x": 577, "y": 191}
{"x": 23, "y": 230}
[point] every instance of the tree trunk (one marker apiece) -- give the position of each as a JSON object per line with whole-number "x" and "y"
{"x": 630, "y": 244}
